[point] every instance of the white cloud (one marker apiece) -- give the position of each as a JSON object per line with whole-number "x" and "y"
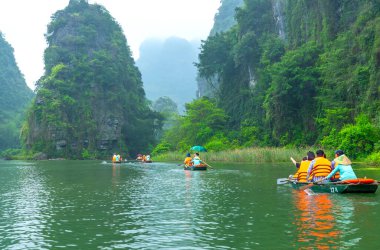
{"x": 24, "y": 24}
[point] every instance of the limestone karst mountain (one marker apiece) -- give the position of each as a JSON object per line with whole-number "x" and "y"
{"x": 90, "y": 101}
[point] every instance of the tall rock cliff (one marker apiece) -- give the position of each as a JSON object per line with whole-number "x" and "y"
{"x": 15, "y": 95}
{"x": 296, "y": 71}
{"x": 90, "y": 100}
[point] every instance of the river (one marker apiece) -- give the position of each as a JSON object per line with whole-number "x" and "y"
{"x": 92, "y": 205}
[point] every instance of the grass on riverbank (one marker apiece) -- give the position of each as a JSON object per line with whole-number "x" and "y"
{"x": 252, "y": 155}
{"x": 262, "y": 155}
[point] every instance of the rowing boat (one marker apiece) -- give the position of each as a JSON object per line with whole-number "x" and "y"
{"x": 349, "y": 186}
{"x": 201, "y": 166}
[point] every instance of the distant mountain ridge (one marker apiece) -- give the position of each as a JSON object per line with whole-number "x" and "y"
{"x": 167, "y": 68}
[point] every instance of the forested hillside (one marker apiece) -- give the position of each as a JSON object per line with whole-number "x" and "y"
{"x": 224, "y": 19}
{"x": 90, "y": 101}
{"x": 295, "y": 72}
{"x": 167, "y": 69}
{"x": 15, "y": 95}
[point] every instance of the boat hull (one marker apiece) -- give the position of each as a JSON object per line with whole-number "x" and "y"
{"x": 338, "y": 187}
{"x": 196, "y": 168}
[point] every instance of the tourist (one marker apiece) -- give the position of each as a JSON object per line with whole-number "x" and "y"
{"x": 301, "y": 173}
{"x": 319, "y": 168}
{"x": 187, "y": 160}
{"x": 342, "y": 165}
{"x": 147, "y": 157}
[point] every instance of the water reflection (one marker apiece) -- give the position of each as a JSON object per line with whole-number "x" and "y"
{"x": 88, "y": 205}
{"x": 323, "y": 220}
{"x": 25, "y": 209}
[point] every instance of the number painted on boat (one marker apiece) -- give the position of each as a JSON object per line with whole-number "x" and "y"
{"x": 334, "y": 189}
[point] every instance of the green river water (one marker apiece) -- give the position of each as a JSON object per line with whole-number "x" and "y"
{"x": 92, "y": 205}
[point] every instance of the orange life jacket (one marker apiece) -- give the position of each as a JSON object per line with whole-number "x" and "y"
{"x": 321, "y": 168}
{"x": 187, "y": 161}
{"x": 301, "y": 173}
{"x": 337, "y": 174}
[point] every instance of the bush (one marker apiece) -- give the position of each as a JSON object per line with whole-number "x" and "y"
{"x": 10, "y": 154}
{"x": 218, "y": 143}
{"x": 162, "y": 147}
{"x": 358, "y": 140}
{"x": 373, "y": 158}
{"x": 86, "y": 155}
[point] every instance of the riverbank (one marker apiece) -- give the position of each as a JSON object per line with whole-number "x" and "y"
{"x": 255, "y": 155}
{"x": 247, "y": 155}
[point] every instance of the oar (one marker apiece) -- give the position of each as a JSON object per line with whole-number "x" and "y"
{"x": 294, "y": 161}
{"x": 282, "y": 181}
{"x": 310, "y": 185}
{"x": 306, "y": 186}
{"x": 207, "y": 164}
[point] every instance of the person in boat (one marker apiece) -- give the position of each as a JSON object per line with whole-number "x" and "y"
{"x": 117, "y": 158}
{"x": 301, "y": 173}
{"x": 139, "y": 157}
{"x": 319, "y": 168}
{"x": 342, "y": 164}
{"x": 147, "y": 157}
{"x": 298, "y": 164}
{"x": 196, "y": 160}
{"x": 187, "y": 160}
{"x": 114, "y": 157}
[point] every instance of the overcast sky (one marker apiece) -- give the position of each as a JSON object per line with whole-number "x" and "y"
{"x": 24, "y": 23}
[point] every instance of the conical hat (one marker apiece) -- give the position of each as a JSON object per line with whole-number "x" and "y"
{"x": 343, "y": 160}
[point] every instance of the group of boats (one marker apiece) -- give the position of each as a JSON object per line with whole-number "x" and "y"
{"x": 132, "y": 161}
{"x": 360, "y": 185}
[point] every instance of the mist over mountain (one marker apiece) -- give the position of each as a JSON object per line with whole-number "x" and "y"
{"x": 167, "y": 69}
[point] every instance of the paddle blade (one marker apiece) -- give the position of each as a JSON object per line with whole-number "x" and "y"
{"x": 282, "y": 181}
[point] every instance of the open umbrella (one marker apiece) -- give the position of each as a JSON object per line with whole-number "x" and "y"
{"x": 198, "y": 148}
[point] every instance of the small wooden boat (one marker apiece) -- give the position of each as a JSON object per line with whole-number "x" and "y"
{"x": 201, "y": 166}
{"x": 359, "y": 185}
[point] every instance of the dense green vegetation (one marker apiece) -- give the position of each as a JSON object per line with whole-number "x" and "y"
{"x": 14, "y": 97}
{"x": 90, "y": 101}
{"x": 281, "y": 73}
{"x": 290, "y": 73}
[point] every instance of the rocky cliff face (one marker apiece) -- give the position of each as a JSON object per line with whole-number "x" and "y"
{"x": 90, "y": 100}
